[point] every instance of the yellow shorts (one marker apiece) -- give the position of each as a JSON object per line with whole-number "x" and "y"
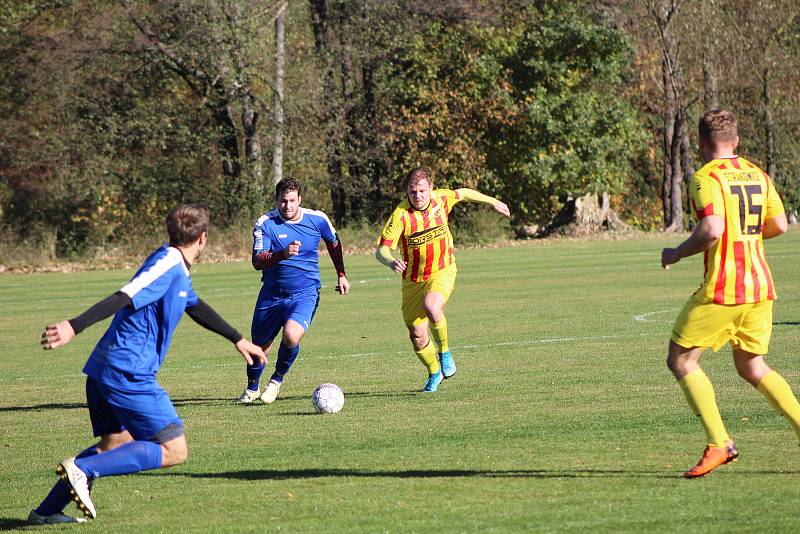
{"x": 709, "y": 325}
{"x": 441, "y": 282}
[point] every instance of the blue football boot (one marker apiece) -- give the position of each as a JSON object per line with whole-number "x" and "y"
{"x": 448, "y": 364}
{"x": 433, "y": 382}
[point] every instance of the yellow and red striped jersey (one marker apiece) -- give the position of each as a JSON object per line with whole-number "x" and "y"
{"x": 736, "y": 270}
{"x": 423, "y": 235}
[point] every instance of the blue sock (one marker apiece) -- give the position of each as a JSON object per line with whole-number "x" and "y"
{"x": 253, "y": 375}
{"x": 132, "y": 457}
{"x": 59, "y": 496}
{"x": 286, "y": 357}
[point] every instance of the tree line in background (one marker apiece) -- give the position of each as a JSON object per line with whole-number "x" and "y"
{"x": 112, "y": 112}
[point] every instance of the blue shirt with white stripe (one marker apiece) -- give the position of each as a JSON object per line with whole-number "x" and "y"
{"x": 296, "y": 273}
{"x": 135, "y": 345}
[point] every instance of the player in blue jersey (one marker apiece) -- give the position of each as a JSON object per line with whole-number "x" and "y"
{"x": 130, "y": 412}
{"x": 285, "y": 242}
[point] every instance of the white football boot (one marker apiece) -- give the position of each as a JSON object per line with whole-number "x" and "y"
{"x": 271, "y": 392}
{"x": 79, "y": 486}
{"x": 36, "y": 519}
{"x": 248, "y": 396}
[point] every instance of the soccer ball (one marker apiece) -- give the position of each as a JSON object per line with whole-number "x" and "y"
{"x": 327, "y": 398}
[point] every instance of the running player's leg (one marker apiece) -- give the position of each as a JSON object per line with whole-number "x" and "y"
{"x": 433, "y": 305}
{"x": 254, "y": 372}
{"x": 426, "y": 352}
{"x": 769, "y": 383}
{"x": 51, "y": 508}
{"x": 750, "y": 343}
{"x": 299, "y": 315}
{"x": 683, "y": 362}
{"x": 268, "y": 318}
{"x": 289, "y": 348}
{"x": 105, "y": 424}
{"x": 147, "y": 416}
{"x": 439, "y": 289}
{"x": 698, "y": 326}
{"x": 141, "y": 411}
{"x": 416, "y": 320}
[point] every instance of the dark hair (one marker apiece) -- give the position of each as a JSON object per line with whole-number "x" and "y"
{"x": 420, "y": 173}
{"x": 718, "y": 125}
{"x": 186, "y": 222}
{"x": 286, "y": 185}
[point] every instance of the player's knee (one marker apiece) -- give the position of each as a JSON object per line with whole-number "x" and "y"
{"x": 433, "y": 308}
{"x": 174, "y": 454}
{"x": 182, "y": 456}
{"x": 434, "y": 313}
{"x": 291, "y": 340}
{"x": 678, "y": 365}
{"x": 292, "y": 334}
{"x": 671, "y": 363}
{"x": 752, "y": 373}
{"x": 750, "y": 366}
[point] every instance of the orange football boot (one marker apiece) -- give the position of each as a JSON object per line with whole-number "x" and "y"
{"x": 713, "y": 457}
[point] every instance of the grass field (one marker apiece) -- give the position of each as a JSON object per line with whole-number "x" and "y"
{"x": 562, "y": 416}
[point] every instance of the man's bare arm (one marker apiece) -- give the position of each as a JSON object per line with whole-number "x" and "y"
{"x": 707, "y": 232}
{"x": 774, "y": 226}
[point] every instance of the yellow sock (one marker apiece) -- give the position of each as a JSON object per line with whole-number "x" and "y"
{"x": 700, "y": 394}
{"x": 427, "y": 356}
{"x": 780, "y": 395}
{"x": 439, "y": 334}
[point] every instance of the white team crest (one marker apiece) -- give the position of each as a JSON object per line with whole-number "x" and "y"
{"x": 282, "y": 236}
{"x": 182, "y": 294}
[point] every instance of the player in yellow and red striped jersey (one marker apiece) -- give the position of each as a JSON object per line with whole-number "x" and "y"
{"x": 737, "y": 207}
{"x": 419, "y": 227}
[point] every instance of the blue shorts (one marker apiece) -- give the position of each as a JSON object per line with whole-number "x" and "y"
{"x": 273, "y": 310}
{"x": 144, "y": 409}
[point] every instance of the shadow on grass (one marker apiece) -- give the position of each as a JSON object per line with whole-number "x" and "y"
{"x": 359, "y": 394}
{"x": 83, "y": 405}
{"x": 387, "y": 394}
{"x": 787, "y": 323}
{"x": 8, "y": 523}
{"x": 207, "y": 401}
{"x": 210, "y": 401}
{"x": 49, "y": 406}
{"x": 289, "y": 474}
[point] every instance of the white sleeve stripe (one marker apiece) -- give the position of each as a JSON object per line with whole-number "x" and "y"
{"x": 145, "y": 278}
{"x": 321, "y": 214}
{"x": 258, "y": 232}
{"x": 258, "y": 238}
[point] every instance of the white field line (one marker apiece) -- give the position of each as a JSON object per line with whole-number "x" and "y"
{"x": 645, "y": 317}
{"x": 459, "y": 348}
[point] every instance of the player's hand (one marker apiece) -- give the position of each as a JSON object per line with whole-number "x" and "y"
{"x": 501, "y": 207}
{"x": 251, "y": 352}
{"x": 669, "y": 256}
{"x": 399, "y": 266}
{"x": 56, "y": 335}
{"x": 292, "y": 250}
{"x": 344, "y": 286}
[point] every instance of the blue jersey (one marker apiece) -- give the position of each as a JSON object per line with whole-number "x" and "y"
{"x": 135, "y": 345}
{"x": 297, "y": 273}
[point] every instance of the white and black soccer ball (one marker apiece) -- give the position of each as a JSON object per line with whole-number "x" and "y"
{"x": 327, "y": 398}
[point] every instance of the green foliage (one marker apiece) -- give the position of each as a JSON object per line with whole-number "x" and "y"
{"x": 570, "y": 132}
{"x": 525, "y": 112}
